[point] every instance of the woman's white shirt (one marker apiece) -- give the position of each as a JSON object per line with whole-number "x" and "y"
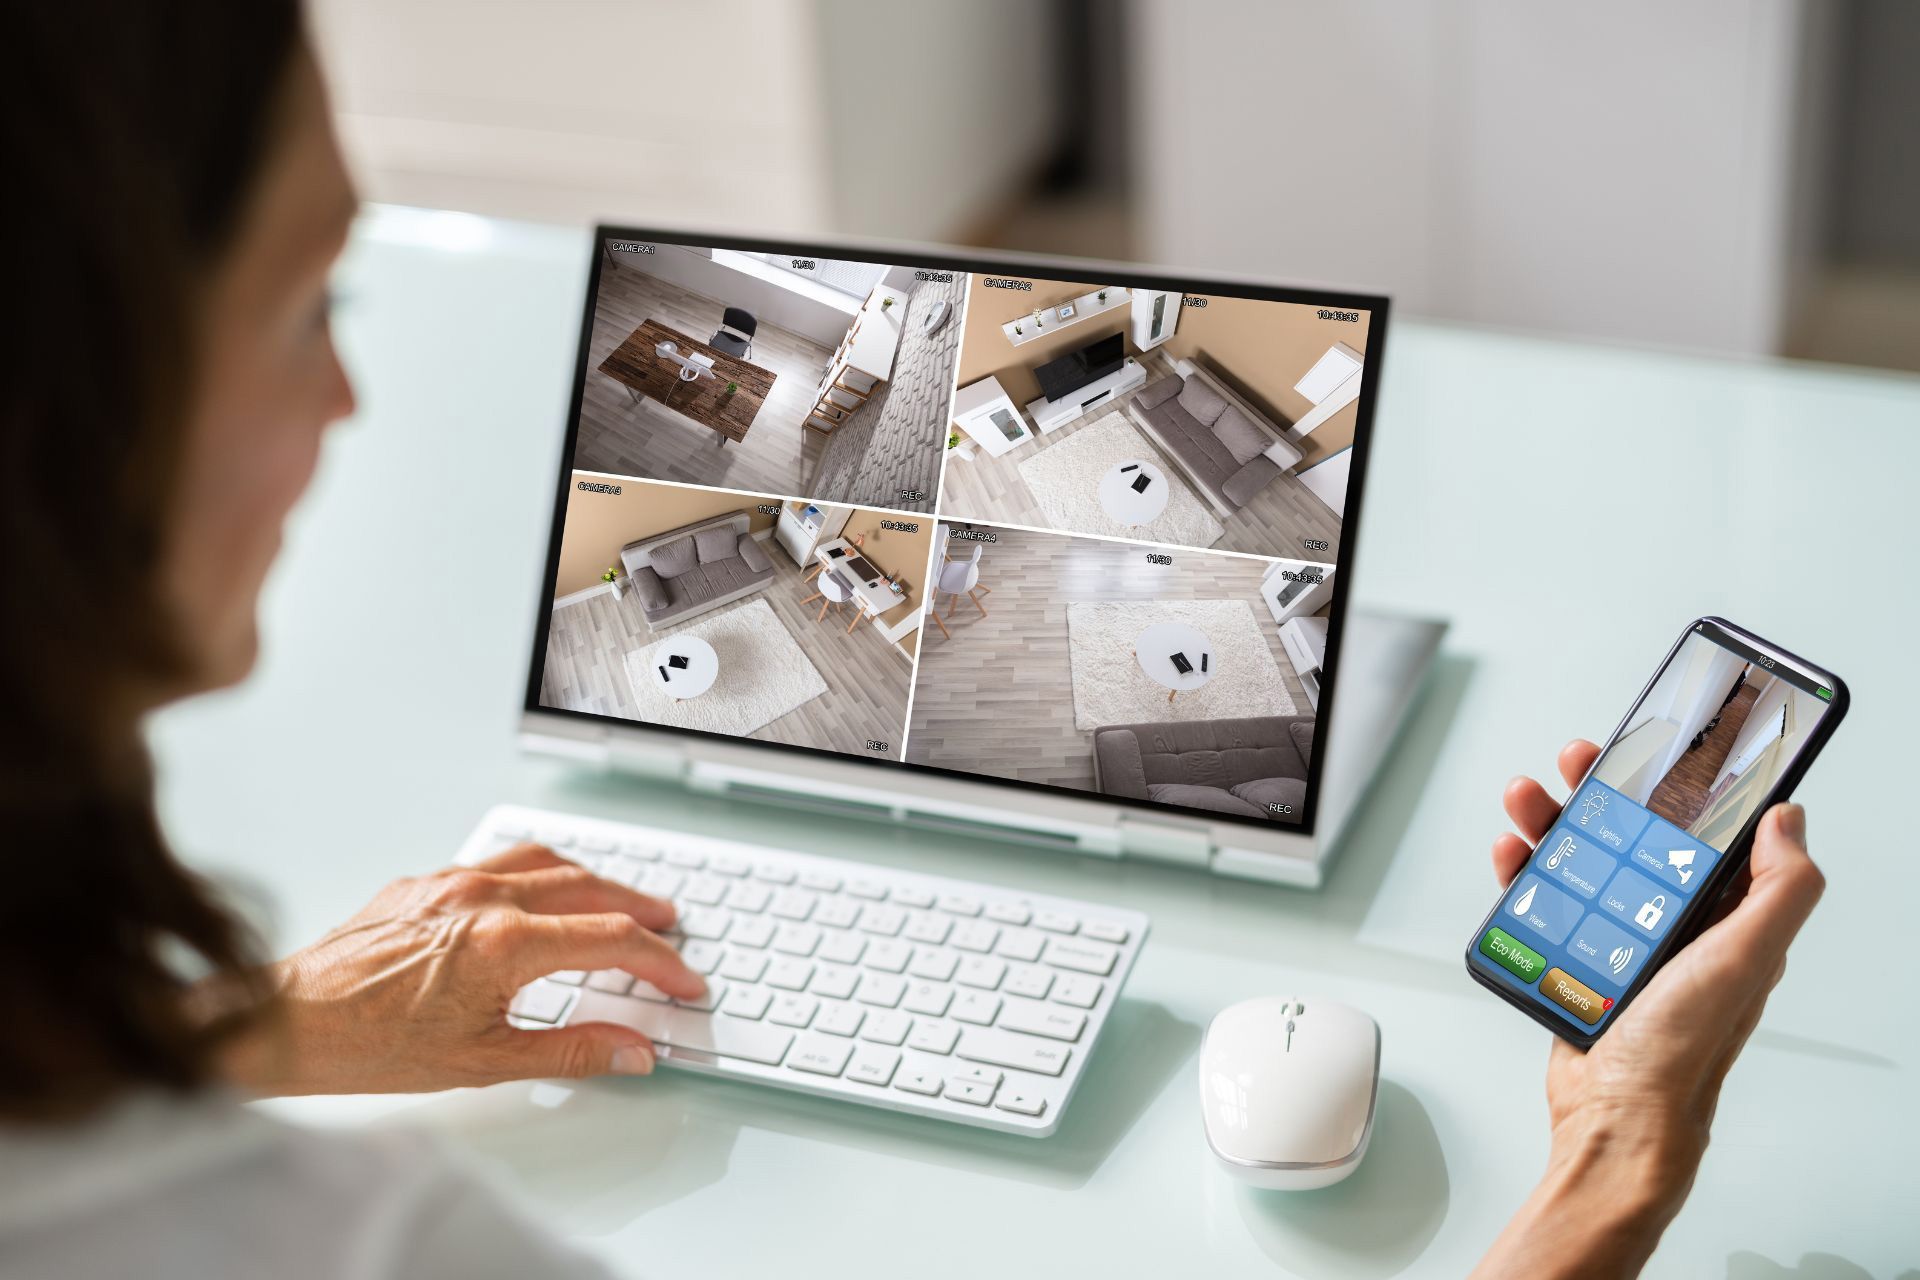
{"x": 204, "y": 1187}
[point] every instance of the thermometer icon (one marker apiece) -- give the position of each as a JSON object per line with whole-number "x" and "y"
{"x": 1561, "y": 853}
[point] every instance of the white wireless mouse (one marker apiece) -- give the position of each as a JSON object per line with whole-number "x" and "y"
{"x": 1287, "y": 1087}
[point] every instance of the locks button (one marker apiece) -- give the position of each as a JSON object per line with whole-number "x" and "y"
{"x": 1641, "y": 903}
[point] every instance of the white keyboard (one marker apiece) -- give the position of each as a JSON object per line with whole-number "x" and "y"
{"x": 969, "y": 1002}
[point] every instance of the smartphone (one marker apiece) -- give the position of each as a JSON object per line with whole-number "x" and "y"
{"x": 1664, "y": 820}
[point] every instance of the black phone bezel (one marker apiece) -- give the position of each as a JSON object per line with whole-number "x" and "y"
{"x": 1695, "y": 915}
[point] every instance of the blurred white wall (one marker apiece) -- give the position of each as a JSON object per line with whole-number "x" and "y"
{"x": 1619, "y": 171}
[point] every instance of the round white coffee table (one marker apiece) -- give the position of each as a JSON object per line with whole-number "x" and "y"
{"x": 1130, "y": 506}
{"x": 690, "y": 681}
{"x": 1154, "y": 650}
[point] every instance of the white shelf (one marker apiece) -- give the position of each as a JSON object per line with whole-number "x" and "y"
{"x": 1085, "y": 307}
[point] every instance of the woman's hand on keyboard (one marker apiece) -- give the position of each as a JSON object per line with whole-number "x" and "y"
{"x": 1630, "y": 1115}
{"x": 411, "y": 994}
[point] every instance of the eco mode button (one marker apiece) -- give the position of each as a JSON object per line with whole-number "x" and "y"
{"x": 1513, "y": 955}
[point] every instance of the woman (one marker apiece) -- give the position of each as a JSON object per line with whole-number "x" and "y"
{"x": 163, "y": 406}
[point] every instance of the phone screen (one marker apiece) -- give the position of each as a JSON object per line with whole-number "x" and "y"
{"x": 1689, "y": 771}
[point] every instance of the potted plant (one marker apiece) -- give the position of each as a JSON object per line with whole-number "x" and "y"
{"x": 886, "y": 302}
{"x": 612, "y": 578}
{"x": 731, "y": 388}
{"x": 1102, "y": 296}
{"x": 953, "y": 439}
{"x": 1017, "y": 328}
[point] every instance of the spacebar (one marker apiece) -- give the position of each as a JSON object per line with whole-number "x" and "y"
{"x": 713, "y": 1033}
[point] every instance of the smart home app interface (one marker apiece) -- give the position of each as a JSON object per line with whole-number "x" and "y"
{"x": 1698, "y": 757}
{"x": 1065, "y": 533}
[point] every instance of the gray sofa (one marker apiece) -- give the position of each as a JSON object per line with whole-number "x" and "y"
{"x": 1228, "y": 450}
{"x": 697, "y": 567}
{"x": 1239, "y": 767}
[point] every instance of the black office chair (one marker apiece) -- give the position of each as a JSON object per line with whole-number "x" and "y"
{"x": 735, "y": 335}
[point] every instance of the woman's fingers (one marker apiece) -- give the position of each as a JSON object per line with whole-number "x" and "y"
{"x": 541, "y": 944}
{"x": 1784, "y": 887}
{"x": 1575, "y": 759}
{"x": 523, "y": 857}
{"x": 1509, "y": 855}
{"x": 1530, "y": 807}
{"x": 571, "y": 890}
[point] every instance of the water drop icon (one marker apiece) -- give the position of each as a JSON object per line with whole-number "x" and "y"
{"x": 1524, "y": 901}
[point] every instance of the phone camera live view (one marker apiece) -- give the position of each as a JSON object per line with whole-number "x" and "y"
{"x": 1075, "y": 534}
{"x": 1691, "y": 769}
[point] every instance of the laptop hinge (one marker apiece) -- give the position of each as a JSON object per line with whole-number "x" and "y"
{"x": 1152, "y": 841}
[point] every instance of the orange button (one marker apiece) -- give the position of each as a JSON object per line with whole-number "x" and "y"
{"x": 1578, "y": 999}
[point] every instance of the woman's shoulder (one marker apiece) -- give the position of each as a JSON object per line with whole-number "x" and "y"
{"x": 251, "y": 1191}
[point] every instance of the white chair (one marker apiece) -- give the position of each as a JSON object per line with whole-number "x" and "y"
{"x": 833, "y": 593}
{"x": 957, "y": 578}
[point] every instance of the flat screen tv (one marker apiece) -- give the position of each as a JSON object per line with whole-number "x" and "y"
{"x": 1060, "y": 378}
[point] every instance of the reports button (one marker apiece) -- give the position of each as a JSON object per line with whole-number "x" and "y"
{"x": 1578, "y": 999}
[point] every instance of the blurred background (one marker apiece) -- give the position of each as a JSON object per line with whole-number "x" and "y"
{"x": 1734, "y": 176}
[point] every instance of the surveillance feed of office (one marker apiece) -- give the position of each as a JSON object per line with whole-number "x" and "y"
{"x": 1076, "y": 534}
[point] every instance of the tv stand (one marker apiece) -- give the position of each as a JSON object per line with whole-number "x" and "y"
{"x": 1049, "y": 414}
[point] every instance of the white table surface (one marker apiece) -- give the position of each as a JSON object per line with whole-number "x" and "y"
{"x": 1154, "y": 648}
{"x": 1126, "y": 505}
{"x": 1509, "y": 473}
{"x": 876, "y": 599}
{"x": 703, "y": 666}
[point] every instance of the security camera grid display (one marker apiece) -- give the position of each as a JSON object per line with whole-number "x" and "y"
{"x": 1074, "y": 534}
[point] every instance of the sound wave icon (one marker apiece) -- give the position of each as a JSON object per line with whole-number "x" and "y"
{"x": 1620, "y": 959}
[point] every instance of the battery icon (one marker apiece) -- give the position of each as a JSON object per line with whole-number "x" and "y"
{"x": 1825, "y": 695}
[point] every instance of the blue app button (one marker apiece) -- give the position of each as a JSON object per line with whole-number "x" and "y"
{"x": 1648, "y": 907}
{"x": 1671, "y": 855}
{"x": 1607, "y": 952}
{"x": 1574, "y": 861}
{"x": 1542, "y": 908}
{"x": 1606, "y": 817}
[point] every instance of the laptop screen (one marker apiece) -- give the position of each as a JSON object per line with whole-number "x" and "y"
{"x": 1058, "y": 530}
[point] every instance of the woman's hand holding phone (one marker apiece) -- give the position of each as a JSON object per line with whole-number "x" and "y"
{"x": 1630, "y": 1115}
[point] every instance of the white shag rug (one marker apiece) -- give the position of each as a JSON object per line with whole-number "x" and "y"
{"x": 1064, "y": 477}
{"x": 763, "y": 674}
{"x": 1110, "y": 688}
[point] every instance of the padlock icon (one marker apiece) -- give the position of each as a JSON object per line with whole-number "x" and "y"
{"x": 1650, "y": 912}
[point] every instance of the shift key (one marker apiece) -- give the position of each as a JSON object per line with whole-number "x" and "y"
{"x": 1007, "y": 1049}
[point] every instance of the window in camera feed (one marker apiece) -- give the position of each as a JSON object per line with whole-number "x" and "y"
{"x": 1065, "y": 533}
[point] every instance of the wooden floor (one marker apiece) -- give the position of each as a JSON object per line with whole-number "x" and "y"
{"x": 652, "y": 442}
{"x": 867, "y": 678}
{"x": 1278, "y": 522}
{"x": 1681, "y": 796}
{"x": 997, "y": 698}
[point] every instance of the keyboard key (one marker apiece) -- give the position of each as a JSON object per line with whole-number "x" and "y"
{"x": 725, "y": 864}
{"x": 889, "y": 955}
{"x": 614, "y": 981}
{"x": 820, "y": 1055}
{"x": 959, "y": 904}
{"x": 639, "y": 850}
{"x": 820, "y": 881}
{"x": 596, "y": 842}
{"x": 661, "y": 882}
{"x": 887, "y": 1027}
{"x": 908, "y": 896}
{"x": 924, "y": 1082}
{"x": 704, "y": 922}
{"x": 1081, "y": 993}
{"x": 1055, "y": 922}
{"x": 1037, "y": 1018}
{"x": 796, "y": 939}
{"x": 839, "y": 1019}
{"x": 705, "y": 890}
{"x": 872, "y": 890}
{"x": 747, "y": 1002}
{"x": 1006, "y": 1049}
{"x": 1084, "y": 957}
{"x": 688, "y": 1029}
{"x": 1021, "y": 944}
{"x": 881, "y": 919}
{"x": 513, "y": 831}
{"x": 984, "y": 972}
{"x": 975, "y": 935}
{"x": 933, "y": 1037}
{"x": 1104, "y": 931}
{"x": 967, "y": 1091}
{"x": 873, "y": 1065}
{"x": 793, "y": 904}
{"x": 541, "y": 1002}
{"x": 789, "y": 974}
{"x": 568, "y": 977}
{"x": 1021, "y": 1103}
{"x": 934, "y": 964}
{"x": 923, "y": 927}
{"x": 554, "y": 837}
{"x": 1009, "y": 912}
{"x": 708, "y": 1000}
{"x": 745, "y": 895}
{"x": 836, "y": 913}
{"x": 977, "y": 1007}
{"x": 750, "y": 931}
{"x": 881, "y": 989}
{"x": 1029, "y": 980}
{"x": 623, "y": 870}
{"x": 834, "y": 982}
{"x": 647, "y": 991}
{"x": 743, "y": 966}
{"x": 689, "y": 858}
{"x": 702, "y": 956}
{"x": 793, "y": 1011}
{"x": 979, "y": 1075}
{"x": 773, "y": 873}
{"x": 843, "y": 948}
{"x": 930, "y": 998}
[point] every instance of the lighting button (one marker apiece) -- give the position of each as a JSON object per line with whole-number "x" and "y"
{"x": 1578, "y": 999}
{"x": 1511, "y": 954}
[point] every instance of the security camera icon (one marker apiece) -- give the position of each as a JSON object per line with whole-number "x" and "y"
{"x": 1682, "y": 861}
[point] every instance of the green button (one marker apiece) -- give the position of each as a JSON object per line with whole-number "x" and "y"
{"x": 1513, "y": 955}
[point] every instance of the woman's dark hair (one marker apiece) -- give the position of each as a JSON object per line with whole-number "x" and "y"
{"x": 134, "y": 133}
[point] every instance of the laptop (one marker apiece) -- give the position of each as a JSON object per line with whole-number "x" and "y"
{"x": 1068, "y": 658}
